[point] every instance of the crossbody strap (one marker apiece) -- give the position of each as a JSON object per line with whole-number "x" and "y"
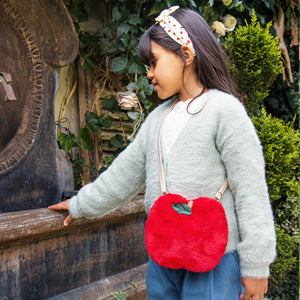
{"x": 161, "y": 169}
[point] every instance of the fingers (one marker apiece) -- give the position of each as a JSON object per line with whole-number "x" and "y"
{"x": 254, "y": 288}
{"x": 68, "y": 220}
{"x": 64, "y": 205}
{"x": 61, "y": 205}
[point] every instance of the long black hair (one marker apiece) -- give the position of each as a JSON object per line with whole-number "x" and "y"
{"x": 210, "y": 59}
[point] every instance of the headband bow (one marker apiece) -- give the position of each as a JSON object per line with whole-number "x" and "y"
{"x": 173, "y": 28}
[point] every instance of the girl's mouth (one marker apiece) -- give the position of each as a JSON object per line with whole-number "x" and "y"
{"x": 155, "y": 85}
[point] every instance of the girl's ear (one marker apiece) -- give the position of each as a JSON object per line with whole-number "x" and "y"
{"x": 188, "y": 54}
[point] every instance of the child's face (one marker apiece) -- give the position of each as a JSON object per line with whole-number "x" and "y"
{"x": 166, "y": 72}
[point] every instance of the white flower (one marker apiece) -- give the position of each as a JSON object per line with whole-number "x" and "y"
{"x": 218, "y": 27}
{"x": 127, "y": 102}
{"x": 211, "y": 2}
{"x": 229, "y": 22}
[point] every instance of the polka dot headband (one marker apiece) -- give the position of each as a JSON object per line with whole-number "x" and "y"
{"x": 173, "y": 28}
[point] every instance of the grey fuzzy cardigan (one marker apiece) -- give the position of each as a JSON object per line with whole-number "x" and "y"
{"x": 217, "y": 143}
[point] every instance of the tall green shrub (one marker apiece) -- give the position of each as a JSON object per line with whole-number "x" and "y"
{"x": 255, "y": 61}
{"x": 281, "y": 151}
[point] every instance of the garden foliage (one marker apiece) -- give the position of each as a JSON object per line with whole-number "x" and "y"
{"x": 281, "y": 151}
{"x": 255, "y": 61}
{"x": 281, "y": 284}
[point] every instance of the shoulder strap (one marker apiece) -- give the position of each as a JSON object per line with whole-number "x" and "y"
{"x": 161, "y": 169}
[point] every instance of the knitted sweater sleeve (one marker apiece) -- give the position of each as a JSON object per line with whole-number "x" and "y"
{"x": 116, "y": 186}
{"x": 242, "y": 155}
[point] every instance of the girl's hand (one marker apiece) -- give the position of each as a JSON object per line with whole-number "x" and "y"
{"x": 63, "y": 205}
{"x": 254, "y": 288}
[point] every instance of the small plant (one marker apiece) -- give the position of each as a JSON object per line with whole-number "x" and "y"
{"x": 255, "y": 61}
{"x": 120, "y": 295}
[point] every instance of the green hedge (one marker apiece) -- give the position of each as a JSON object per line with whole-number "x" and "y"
{"x": 255, "y": 61}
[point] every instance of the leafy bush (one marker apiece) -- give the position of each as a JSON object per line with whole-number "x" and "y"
{"x": 281, "y": 151}
{"x": 284, "y": 271}
{"x": 255, "y": 61}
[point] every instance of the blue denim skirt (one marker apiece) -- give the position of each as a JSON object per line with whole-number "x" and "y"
{"x": 222, "y": 283}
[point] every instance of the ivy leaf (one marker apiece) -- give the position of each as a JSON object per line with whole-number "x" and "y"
{"x": 111, "y": 104}
{"x": 156, "y": 8}
{"x": 133, "y": 115}
{"x": 107, "y": 46}
{"x": 119, "y": 64}
{"x": 62, "y": 137}
{"x": 134, "y": 19}
{"x": 141, "y": 95}
{"x": 108, "y": 160}
{"x": 117, "y": 141}
{"x": 142, "y": 82}
{"x": 105, "y": 122}
{"x": 90, "y": 63}
{"x": 116, "y": 15}
{"x": 92, "y": 121}
{"x": 131, "y": 87}
{"x": 122, "y": 28}
{"x": 135, "y": 66}
{"x": 85, "y": 138}
{"x": 68, "y": 141}
{"x": 148, "y": 104}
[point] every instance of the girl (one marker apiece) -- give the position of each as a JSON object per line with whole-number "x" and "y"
{"x": 206, "y": 138}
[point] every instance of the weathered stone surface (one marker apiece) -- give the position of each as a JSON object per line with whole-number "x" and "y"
{"x": 36, "y": 38}
{"x": 40, "y": 258}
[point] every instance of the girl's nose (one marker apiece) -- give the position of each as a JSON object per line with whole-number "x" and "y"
{"x": 150, "y": 73}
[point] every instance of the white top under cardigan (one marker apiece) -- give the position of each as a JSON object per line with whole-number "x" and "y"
{"x": 218, "y": 143}
{"x": 174, "y": 124}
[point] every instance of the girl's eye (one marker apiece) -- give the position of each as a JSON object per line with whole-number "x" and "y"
{"x": 153, "y": 63}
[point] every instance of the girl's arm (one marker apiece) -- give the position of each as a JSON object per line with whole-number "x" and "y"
{"x": 242, "y": 155}
{"x": 114, "y": 187}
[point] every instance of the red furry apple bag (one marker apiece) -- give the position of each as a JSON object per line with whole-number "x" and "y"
{"x": 182, "y": 234}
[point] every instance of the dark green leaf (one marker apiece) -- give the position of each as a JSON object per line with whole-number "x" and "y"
{"x": 134, "y": 19}
{"x": 62, "y": 137}
{"x": 90, "y": 63}
{"x": 105, "y": 122}
{"x": 119, "y": 64}
{"x": 142, "y": 83}
{"x": 156, "y": 8}
{"x": 117, "y": 141}
{"x": 85, "y": 138}
{"x": 148, "y": 104}
{"x": 74, "y": 140}
{"x": 131, "y": 87}
{"x": 116, "y": 15}
{"x": 108, "y": 159}
{"x": 135, "y": 66}
{"x": 141, "y": 95}
{"x": 111, "y": 104}
{"x": 122, "y": 28}
{"x": 92, "y": 121}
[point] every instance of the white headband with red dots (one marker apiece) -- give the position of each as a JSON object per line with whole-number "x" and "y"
{"x": 173, "y": 28}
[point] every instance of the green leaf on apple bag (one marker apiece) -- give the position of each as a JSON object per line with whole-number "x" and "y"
{"x": 182, "y": 208}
